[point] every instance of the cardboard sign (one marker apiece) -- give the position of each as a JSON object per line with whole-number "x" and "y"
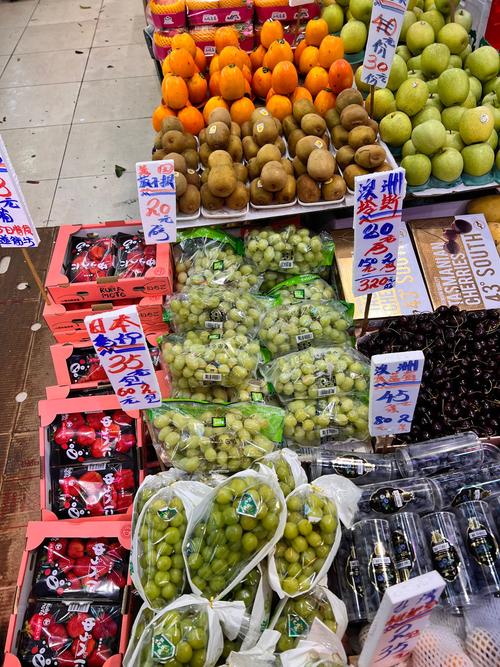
{"x": 119, "y": 341}
{"x": 385, "y": 25}
{"x": 403, "y": 614}
{"x": 394, "y": 387}
{"x": 157, "y": 203}
{"x": 17, "y": 229}
{"x": 378, "y": 205}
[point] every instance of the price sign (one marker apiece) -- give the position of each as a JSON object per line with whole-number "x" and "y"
{"x": 403, "y": 614}
{"x": 385, "y": 25}
{"x": 119, "y": 341}
{"x": 378, "y": 205}
{"x": 394, "y": 386}
{"x": 16, "y": 226}
{"x": 157, "y": 203}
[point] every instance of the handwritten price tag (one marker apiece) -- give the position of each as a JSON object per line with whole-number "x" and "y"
{"x": 385, "y": 26}
{"x": 119, "y": 341}
{"x": 394, "y": 387}
{"x": 378, "y": 205}
{"x": 157, "y": 203}
{"x": 16, "y": 226}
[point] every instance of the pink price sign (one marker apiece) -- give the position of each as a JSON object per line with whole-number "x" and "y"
{"x": 157, "y": 203}
{"x": 122, "y": 349}
{"x": 378, "y": 205}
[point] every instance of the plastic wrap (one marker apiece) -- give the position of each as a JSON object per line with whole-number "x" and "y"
{"x": 476, "y": 483}
{"x": 91, "y": 258}
{"x": 441, "y": 455}
{"x": 149, "y": 487}
{"x": 133, "y": 257}
{"x": 197, "y": 437}
{"x": 260, "y": 655}
{"x": 255, "y": 390}
{"x": 84, "y": 366}
{"x": 306, "y": 287}
{"x": 144, "y": 616}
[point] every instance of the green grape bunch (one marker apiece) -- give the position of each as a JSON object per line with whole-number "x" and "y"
{"x": 307, "y": 540}
{"x": 240, "y": 524}
{"x": 216, "y": 266}
{"x": 309, "y": 287}
{"x": 278, "y": 462}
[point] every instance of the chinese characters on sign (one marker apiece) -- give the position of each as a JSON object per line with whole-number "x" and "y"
{"x": 120, "y": 344}
{"x": 394, "y": 386}
{"x": 16, "y": 226}
{"x": 403, "y": 614}
{"x": 157, "y": 204}
{"x": 385, "y": 26}
{"x": 378, "y": 205}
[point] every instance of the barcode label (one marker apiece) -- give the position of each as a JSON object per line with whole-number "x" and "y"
{"x": 286, "y": 264}
{"x": 212, "y": 377}
{"x": 403, "y": 564}
{"x": 477, "y": 533}
{"x": 303, "y": 337}
{"x": 443, "y": 546}
{"x": 79, "y": 607}
{"x": 96, "y": 466}
{"x": 381, "y": 560}
{"x": 326, "y": 432}
{"x": 326, "y": 391}
{"x": 353, "y": 564}
{"x": 213, "y": 325}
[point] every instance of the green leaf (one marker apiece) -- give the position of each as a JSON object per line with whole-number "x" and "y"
{"x": 119, "y": 170}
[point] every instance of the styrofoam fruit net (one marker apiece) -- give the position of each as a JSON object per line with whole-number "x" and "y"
{"x": 483, "y": 633}
{"x": 438, "y": 647}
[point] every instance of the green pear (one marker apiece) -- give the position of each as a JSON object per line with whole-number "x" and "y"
{"x": 403, "y": 51}
{"x": 343, "y": 3}
{"x": 418, "y": 169}
{"x": 354, "y": 35}
{"x": 475, "y": 87}
{"x": 454, "y": 36}
{"x": 493, "y": 140}
{"x": 416, "y": 74}
{"x": 395, "y": 129}
{"x": 361, "y": 85}
{"x": 453, "y": 86}
{"x": 464, "y": 18}
{"x": 384, "y": 103}
{"x": 434, "y": 60}
{"x": 418, "y": 36}
{"x": 435, "y": 19}
{"x": 453, "y": 140}
{"x": 491, "y": 86}
{"x": 455, "y": 61}
{"x": 429, "y": 137}
{"x": 478, "y": 159}
{"x": 432, "y": 85}
{"x": 433, "y": 99}
{"x": 450, "y": 117}
{"x": 418, "y": 11}
{"x": 412, "y": 96}
{"x": 349, "y": 15}
{"x": 408, "y": 19}
{"x": 399, "y": 73}
{"x": 443, "y": 6}
{"x": 334, "y": 17}
{"x": 408, "y": 148}
{"x": 465, "y": 53}
{"x": 429, "y": 4}
{"x": 484, "y": 63}
{"x": 361, "y": 9}
{"x": 476, "y": 125}
{"x": 427, "y": 113}
{"x": 447, "y": 165}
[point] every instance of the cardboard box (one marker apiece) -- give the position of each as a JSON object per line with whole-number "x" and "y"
{"x": 60, "y": 391}
{"x": 157, "y": 280}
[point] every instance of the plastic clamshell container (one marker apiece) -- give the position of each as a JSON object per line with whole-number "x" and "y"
{"x": 471, "y": 484}
{"x": 157, "y": 280}
{"x": 360, "y": 468}
{"x": 412, "y": 494}
{"x": 36, "y": 533}
{"x": 463, "y": 450}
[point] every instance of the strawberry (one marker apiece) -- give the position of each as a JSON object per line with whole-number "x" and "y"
{"x": 76, "y": 549}
{"x": 122, "y": 418}
{"x": 74, "y": 581}
{"x": 125, "y": 443}
{"x": 75, "y": 420}
{"x": 70, "y": 487}
{"x": 105, "y": 627}
{"x": 38, "y": 624}
{"x": 123, "y": 501}
{"x": 64, "y": 434}
{"x": 124, "y": 479}
{"x": 56, "y": 549}
{"x": 65, "y": 659}
{"x": 57, "y": 637}
{"x": 74, "y": 626}
{"x": 100, "y": 448}
{"x": 94, "y": 420}
{"x": 99, "y": 657}
{"x": 81, "y": 567}
{"x": 85, "y": 435}
{"x": 91, "y": 477}
{"x": 82, "y": 649}
{"x": 96, "y": 509}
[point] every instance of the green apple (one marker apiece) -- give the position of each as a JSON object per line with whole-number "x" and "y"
{"x": 433, "y": 100}
{"x": 491, "y": 86}
{"x": 429, "y": 137}
{"x": 343, "y": 3}
{"x": 475, "y": 87}
{"x": 464, "y": 18}
{"x": 450, "y": 117}
{"x": 418, "y": 169}
{"x": 334, "y": 16}
{"x": 354, "y": 35}
{"x": 408, "y": 148}
{"x": 412, "y": 96}
{"x": 416, "y": 74}
{"x": 418, "y": 11}
{"x": 409, "y": 19}
{"x": 361, "y": 10}
{"x": 349, "y": 15}
{"x": 434, "y": 60}
{"x": 490, "y": 98}
{"x": 465, "y": 53}
{"x": 447, "y": 165}
{"x": 429, "y": 4}
{"x": 403, "y": 51}
{"x": 497, "y": 161}
{"x": 476, "y": 125}
{"x": 478, "y": 159}
{"x": 453, "y": 140}
{"x": 384, "y": 103}
{"x": 435, "y": 19}
{"x": 495, "y": 110}
{"x": 493, "y": 140}
{"x": 444, "y": 6}
{"x": 455, "y": 61}
{"x": 419, "y": 35}
{"x": 484, "y": 63}
{"x": 427, "y": 113}
{"x": 399, "y": 73}
{"x": 395, "y": 129}
{"x": 454, "y": 36}
{"x": 453, "y": 86}
{"x": 432, "y": 85}
{"x": 415, "y": 62}
{"x": 361, "y": 85}
{"x": 470, "y": 101}
{"x": 497, "y": 88}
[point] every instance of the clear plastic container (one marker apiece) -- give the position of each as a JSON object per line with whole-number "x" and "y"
{"x": 472, "y": 484}
{"x": 360, "y": 468}
{"x": 411, "y": 555}
{"x": 449, "y": 558}
{"x": 491, "y": 453}
{"x": 480, "y": 537}
{"x": 348, "y": 581}
{"x": 494, "y": 505}
{"x": 441, "y": 455}
{"x": 372, "y": 541}
{"x": 412, "y": 494}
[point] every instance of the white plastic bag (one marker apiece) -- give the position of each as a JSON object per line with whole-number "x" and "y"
{"x": 151, "y": 485}
{"x": 322, "y": 648}
{"x": 288, "y": 468}
{"x": 260, "y": 655}
{"x": 144, "y": 616}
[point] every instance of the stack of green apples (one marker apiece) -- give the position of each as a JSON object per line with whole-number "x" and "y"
{"x": 350, "y": 18}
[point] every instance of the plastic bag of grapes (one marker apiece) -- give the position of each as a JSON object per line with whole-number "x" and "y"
{"x": 209, "y": 256}
{"x": 288, "y": 468}
{"x": 311, "y": 538}
{"x": 149, "y": 487}
{"x": 293, "y": 617}
{"x": 188, "y": 632}
{"x": 260, "y": 655}
{"x": 157, "y": 563}
{"x": 296, "y": 326}
{"x": 144, "y": 616}
{"x": 318, "y": 372}
{"x": 307, "y": 287}
{"x": 234, "y": 529}
{"x": 214, "y": 437}
{"x": 255, "y": 390}
{"x": 322, "y": 648}
{"x": 191, "y": 361}
{"x": 216, "y": 309}
{"x": 310, "y": 423}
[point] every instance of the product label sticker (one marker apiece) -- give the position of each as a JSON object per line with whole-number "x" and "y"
{"x": 167, "y": 513}
{"x": 286, "y": 264}
{"x": 326, "y": 391}
{"x": 218, "y": 265}
{"x": 217, "y": 422}
{"x": 403, "y": 554}
{"x": 381, "y": 570}
{"x": 247, "y": 506}
{"x": 297, "y": 626}
{"x": 299, "y": 294}
{"x": 470, "y": 493}
{"x": 301, "y": 338}
{"x": 389, "y": 500}
{"x": 212, "y": 377}
{"x": 353, "y": 574}
{"x": 163, "y": 649}
{"x": 352, "y": 466}
{"x": 257, "y": 397}
{"x": 444, "y": 557}
{"x": 481, "y": 544}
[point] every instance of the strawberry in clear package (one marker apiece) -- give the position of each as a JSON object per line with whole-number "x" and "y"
{"x": 80, "y": 567}
{"x": 134, "y": 257}
{"x": 92, "y": 258}
{"x": 69, "y": 634}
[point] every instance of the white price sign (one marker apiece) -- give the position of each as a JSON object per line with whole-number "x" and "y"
{"x": 394, "y": 387}
{"x": 157, "y": 203}
{"x": 385, "y": 25}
